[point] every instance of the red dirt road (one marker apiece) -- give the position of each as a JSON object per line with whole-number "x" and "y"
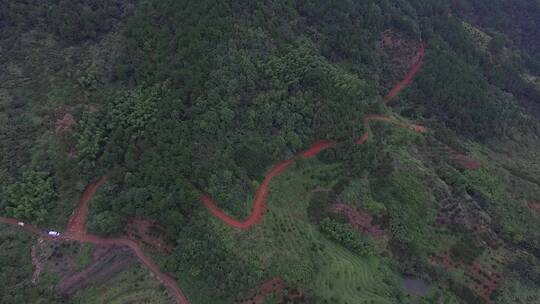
{"x": 317, "y": 147}
{"x": 165, "y": 279}
{"x": 259, "y": 203}
{"x": 409, "y": 76}
{"x": 83, "y": 237}
{"x": 76, "y": 229}
{"x": 77, "y": 221}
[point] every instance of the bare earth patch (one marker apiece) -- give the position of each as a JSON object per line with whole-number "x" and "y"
{"x": 64, "y": 121}
{"x": 108, "y": 261}
{"x": 465, "y": 162}
{"x": 359, "y": 219}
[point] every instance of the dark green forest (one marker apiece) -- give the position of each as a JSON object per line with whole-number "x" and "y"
{"x": 171, "y": 99}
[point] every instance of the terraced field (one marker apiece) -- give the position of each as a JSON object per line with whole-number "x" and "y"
{"x": 346, "y": 278}
{"x": 291, "y": 247}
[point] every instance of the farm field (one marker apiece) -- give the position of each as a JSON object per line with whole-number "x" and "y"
{"x": 290, "y": 246}
{"x": 270, "y": 152}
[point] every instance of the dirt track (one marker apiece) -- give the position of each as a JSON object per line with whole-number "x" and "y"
{"x": 83, "y": 237}
{"x": 259, "y": 203}
{"x": 408, "y": 77}
{"x": 76, "y": 230}
{"x": 77, "y": 222}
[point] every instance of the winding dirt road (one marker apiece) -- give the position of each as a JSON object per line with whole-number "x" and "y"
{"x": 76, "y": 229}
{"x": 259, "y": 203}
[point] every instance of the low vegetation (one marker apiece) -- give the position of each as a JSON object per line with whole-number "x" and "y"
{"x": 171, "y": 99}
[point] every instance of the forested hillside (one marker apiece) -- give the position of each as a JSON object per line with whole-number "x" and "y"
{"x": 281, "y": 151}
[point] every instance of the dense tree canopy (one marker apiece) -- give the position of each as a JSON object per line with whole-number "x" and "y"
{"x": 171, "y": 99}
{"x": 31, "y": 198}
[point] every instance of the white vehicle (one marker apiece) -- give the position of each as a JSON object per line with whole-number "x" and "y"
{"x": 54, "y": 233}
{"x": 20, "y": 224}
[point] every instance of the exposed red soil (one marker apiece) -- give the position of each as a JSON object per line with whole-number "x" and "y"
{"x": 399, "y": 53}
{"x": 148, "y": 233}
{"x": 76, "y": 229}
{"x": 266, "y": 288}
{"x": 77, "y": 221}
{"x": 409, "y": 76}
{"x": 259, "y": 203}
{"x": 165, "y": 279}
{"x": 482, "y": 281}
{"x": 362, "y": 139}
{"x": 84, "y": 237}
{"x": 317, "y": 147}
{"x": 65, "y": 124}
{"x": 359, "y": 219}
{"x": 466, "y": 162}
{"x": 482, "y": 278}
{"x": 535, "y": 207}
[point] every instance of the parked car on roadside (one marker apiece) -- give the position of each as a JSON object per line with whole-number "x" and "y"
{"x": 54, "y": 233}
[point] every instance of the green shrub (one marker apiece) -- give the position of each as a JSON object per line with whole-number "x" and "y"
{"x": 31, "y": 198}
{"x": 344, "y": 234}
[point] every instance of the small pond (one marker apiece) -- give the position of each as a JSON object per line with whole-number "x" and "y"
{"x": 414, "y": 285}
